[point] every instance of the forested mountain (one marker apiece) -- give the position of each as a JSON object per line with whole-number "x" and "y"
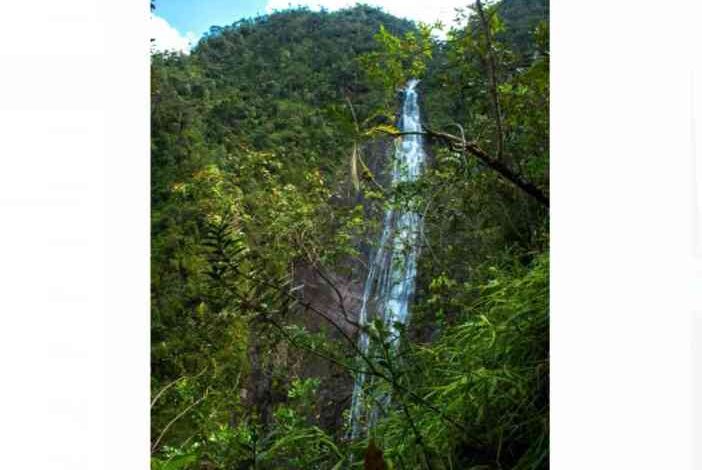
{"x": 272, "y": 144}
{"x": 520, "y": 18}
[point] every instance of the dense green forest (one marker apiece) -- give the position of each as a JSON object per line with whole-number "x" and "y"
{"x": 270, "y": 147}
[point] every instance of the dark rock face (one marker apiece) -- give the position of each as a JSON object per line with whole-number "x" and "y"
{"x": 339, "y": 299}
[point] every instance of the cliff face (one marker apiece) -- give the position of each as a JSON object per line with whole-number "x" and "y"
{"x": 339, "y": 298}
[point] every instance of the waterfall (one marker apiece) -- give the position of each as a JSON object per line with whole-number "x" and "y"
{"x": 391, "y": 276}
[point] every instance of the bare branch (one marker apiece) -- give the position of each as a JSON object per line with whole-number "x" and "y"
{"x": 178, "y": 416}
{"x": 164, "y": 389}
{"x": 319, "y": 269}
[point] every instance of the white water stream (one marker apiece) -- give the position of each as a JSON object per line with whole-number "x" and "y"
{"x": 391, "y": 276}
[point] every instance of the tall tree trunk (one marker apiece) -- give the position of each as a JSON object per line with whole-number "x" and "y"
{"x": 491, "y": 65}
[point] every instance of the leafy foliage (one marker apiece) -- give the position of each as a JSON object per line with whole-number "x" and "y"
{"x": 489, "y": 369}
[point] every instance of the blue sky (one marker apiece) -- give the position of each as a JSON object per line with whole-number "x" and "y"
{"x": 198, "y": 15}
{"x": 178, "y": 24}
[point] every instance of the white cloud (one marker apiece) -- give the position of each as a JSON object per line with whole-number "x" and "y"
{"x": 167, "y": 38}
{"x": 427, "y": 11}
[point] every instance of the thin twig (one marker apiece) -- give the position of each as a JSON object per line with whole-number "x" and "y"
{"x": 164, "y": 389}
{"x": 178, "y": 416}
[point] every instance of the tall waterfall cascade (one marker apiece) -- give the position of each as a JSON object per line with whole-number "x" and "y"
{"x": 392, "y": 271}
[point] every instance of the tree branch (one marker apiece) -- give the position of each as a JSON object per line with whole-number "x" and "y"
{"x": 178, "y": 416}
{"x": 164, "y": 389}
{"x": 459, "y": 145}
